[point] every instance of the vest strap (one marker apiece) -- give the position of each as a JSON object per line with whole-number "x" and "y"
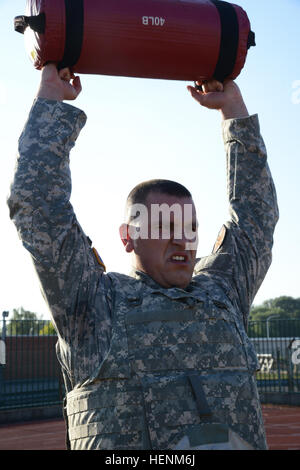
{"x": 202, "y": 405}
{"x": 65, "y": 416}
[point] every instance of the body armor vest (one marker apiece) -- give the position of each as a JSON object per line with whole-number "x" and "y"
{"x": 179, "y": 375}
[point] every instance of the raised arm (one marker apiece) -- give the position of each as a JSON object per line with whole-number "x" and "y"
{"x": 40, "y": 207}
{"x": 243, "y": 253}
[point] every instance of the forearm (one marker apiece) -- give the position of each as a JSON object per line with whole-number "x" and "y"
{"x": 251, "y": 190}
{"x": 253, "y": 207}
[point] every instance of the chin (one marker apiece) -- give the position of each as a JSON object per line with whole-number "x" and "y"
{"x": 182, "y": 282}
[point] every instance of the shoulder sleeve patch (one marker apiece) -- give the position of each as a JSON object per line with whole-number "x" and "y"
{"x": 220, "y": 239}
{"x": 98, "y": 258}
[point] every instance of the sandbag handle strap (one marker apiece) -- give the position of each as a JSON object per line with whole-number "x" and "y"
{"x": 250, "y": 43}
{"x": 74, "y": 12}
{"x": 198, "y": 87}
{"x": 229, "y": 40}
{"x": 36, "y": 23}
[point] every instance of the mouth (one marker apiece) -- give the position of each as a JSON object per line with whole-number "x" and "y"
{"x": 179, "y": 258}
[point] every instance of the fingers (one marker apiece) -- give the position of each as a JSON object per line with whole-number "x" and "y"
{"x": 208, "y": 86}
{"x": 65, "y": 74}
{"x": 59, "y": 85}
{"x": 50, "y": 72}
{"x": 74, "y": 87}
{"x": 196, "y": 94}
{"x": 211, "y": 97}
{"x": 77, "y": 85}
{"x": 212, "y": 85}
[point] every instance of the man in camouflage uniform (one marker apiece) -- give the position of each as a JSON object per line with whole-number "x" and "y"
{"x": 159, "y": 359}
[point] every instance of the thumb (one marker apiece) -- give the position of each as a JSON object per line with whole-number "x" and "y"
{"x": 196, "y": 94}
{"x": 77, "y": 85}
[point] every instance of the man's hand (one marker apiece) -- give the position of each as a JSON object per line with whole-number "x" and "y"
{"x": 57, "y": 85}
{"x": 225, "y": 98}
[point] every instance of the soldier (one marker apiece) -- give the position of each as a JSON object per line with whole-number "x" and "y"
{"x": 159, "y": 359}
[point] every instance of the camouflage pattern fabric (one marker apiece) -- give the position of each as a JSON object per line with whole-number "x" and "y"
{"x": 148, "y": 367}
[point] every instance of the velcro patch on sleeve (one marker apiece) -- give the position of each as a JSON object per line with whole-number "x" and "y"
{"x": 220, "y": 239}
{"x": 98, "y": 258}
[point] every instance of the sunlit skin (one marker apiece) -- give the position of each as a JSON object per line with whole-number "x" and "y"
{"x": 156, "y": 256}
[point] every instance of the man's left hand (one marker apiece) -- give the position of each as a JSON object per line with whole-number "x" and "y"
{"x": 226, "y": 98}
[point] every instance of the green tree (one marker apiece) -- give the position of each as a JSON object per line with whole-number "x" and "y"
{"x": 23, "y": 322}
{"x": 279, "y": 317}
{"x": 285, "y": 307}
{"x": 47, "y": 329}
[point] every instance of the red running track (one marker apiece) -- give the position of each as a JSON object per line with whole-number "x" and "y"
{"x": 282, "y": 425}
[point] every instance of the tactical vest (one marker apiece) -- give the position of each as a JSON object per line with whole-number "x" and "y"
{"x": 179, "y": 375}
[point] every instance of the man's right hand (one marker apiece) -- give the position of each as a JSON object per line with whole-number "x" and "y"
{"x": 57, "y": 85}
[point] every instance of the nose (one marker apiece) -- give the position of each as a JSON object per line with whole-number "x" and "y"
{"x": 179, "y": 242}
{"x": 185, "y": 241}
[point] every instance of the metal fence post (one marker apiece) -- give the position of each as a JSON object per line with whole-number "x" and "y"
{"x": 278, "y": 368}
{"x": 2, "y": 352}
{"x": 290, "y": 371}
{"x": 2, "y": 362}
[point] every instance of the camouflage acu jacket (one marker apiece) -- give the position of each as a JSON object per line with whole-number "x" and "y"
{"x": 83, "y": 299}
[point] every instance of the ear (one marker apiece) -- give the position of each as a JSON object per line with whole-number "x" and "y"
{"x": 126, "y": 240}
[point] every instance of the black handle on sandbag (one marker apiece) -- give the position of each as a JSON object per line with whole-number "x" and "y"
{"x": 74, "y": 11}
{"x": 36, "y": 23}
{"x": 198, "y": 87}
{"x": 251, "y": 40}
{"x": 229, "y": 41}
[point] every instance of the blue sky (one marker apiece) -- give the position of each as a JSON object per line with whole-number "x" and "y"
{"x": 139, "y": 129}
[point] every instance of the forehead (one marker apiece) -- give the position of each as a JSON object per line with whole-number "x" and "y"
{"x": 161, "y": 198}
{"x": 177, "y": 208}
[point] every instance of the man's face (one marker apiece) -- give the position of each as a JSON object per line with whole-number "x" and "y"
{"x": 168, "y": 253}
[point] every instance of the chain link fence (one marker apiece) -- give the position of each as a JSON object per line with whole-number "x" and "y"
{"x": 30, "y": 374}
{"x": 277, "y": 344}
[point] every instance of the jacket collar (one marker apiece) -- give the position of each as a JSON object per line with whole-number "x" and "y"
{"x": 172, "y": 292}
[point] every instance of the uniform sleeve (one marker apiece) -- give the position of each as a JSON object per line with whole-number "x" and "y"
{"x": 39, "y": 202}
{"x": 243, "y": 252}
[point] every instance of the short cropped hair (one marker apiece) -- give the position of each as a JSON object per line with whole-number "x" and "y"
{"x": 139, "y": 194}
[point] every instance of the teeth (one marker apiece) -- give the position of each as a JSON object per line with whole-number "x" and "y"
{"x": 178, "y": 258}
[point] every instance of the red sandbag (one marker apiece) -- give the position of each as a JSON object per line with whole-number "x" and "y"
{"x": 166, "y": 39}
